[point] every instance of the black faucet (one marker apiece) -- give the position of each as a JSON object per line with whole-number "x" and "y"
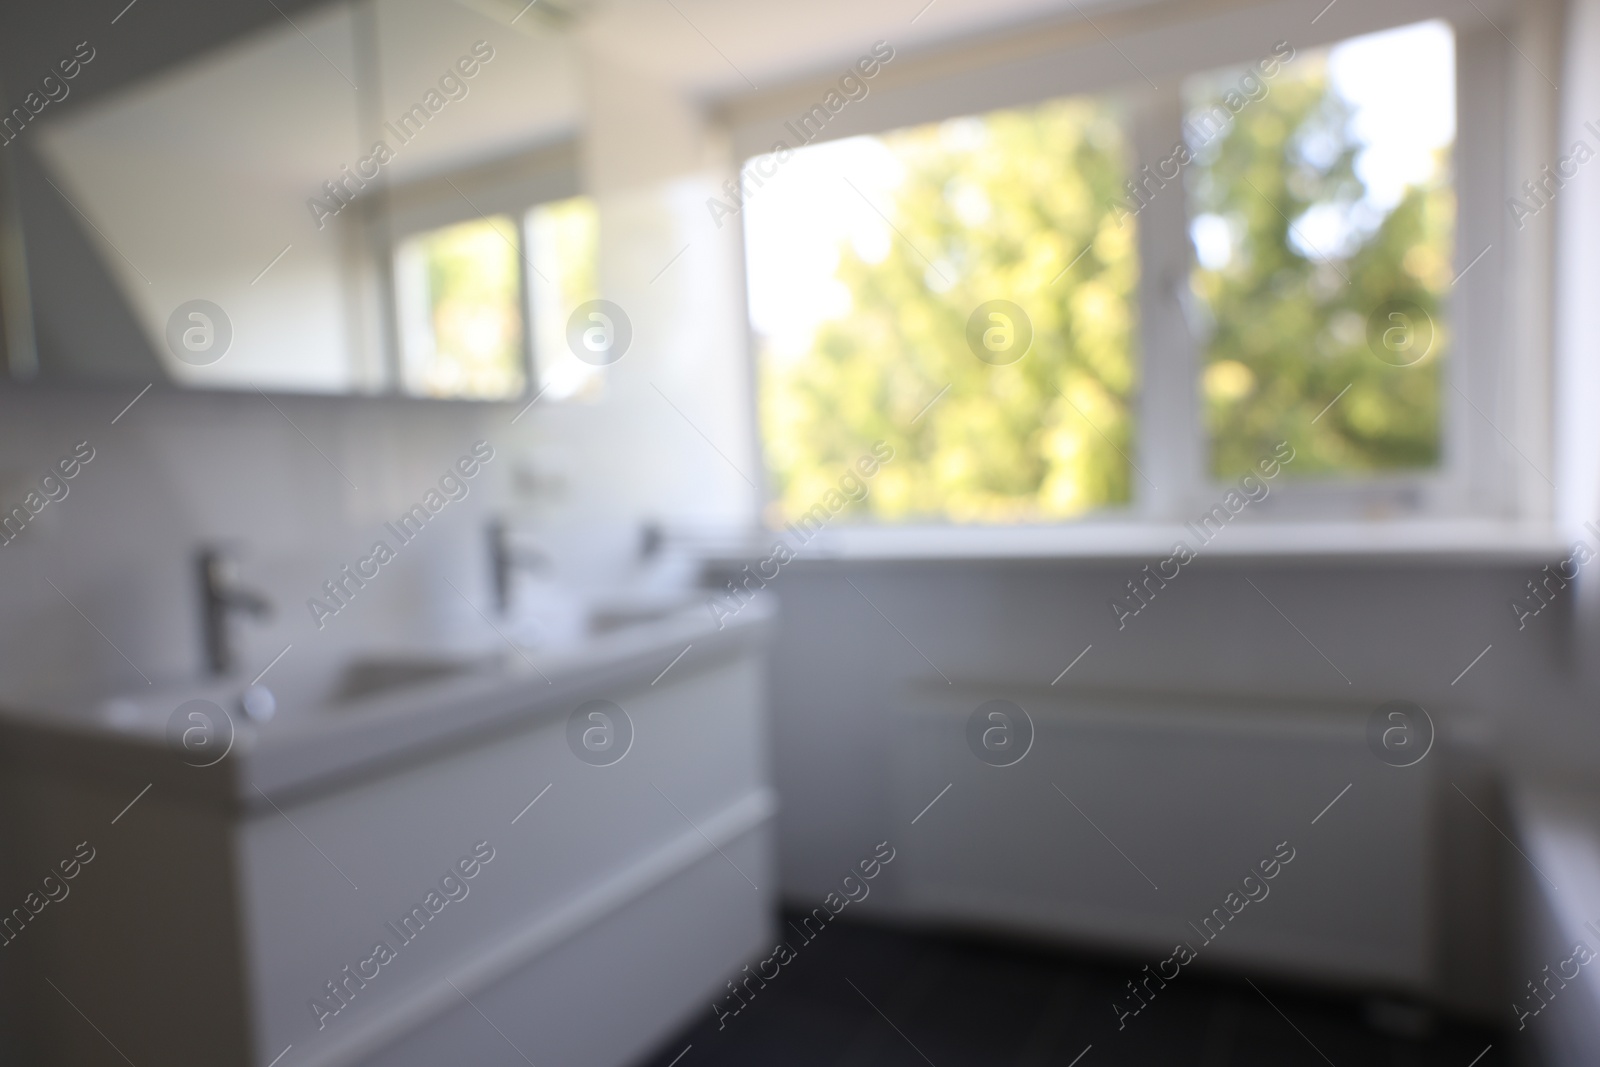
{"x": 505, "y": 559}
{"x": 219, "y": 597}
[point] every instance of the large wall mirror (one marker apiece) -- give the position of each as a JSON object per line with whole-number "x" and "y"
{"x": 267, "y": 199}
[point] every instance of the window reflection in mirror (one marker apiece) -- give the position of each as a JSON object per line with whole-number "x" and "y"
{"x": 563, "y": 243}
{"x": 458, "y": 299}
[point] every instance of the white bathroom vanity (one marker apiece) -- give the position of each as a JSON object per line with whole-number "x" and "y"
{"x": 550, "y": 888}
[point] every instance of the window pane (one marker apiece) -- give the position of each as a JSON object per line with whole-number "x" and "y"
{"x": 563, "y": 244}
{"x": 460, "y": 311}
{"x": 867, "y": 258}
{"x": 1322, "y": 221}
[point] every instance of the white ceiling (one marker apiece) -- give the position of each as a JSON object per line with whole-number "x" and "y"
{"x": 721, "y": 47}
{"x": 280, "y": 106}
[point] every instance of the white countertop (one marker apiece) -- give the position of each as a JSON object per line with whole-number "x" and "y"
{"x": 311, "y": 749}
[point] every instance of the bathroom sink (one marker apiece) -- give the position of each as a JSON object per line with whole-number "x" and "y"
{"x": 366, "y": 681}
{"x": 609, "y": 616}
{"x": 300, "y": 690}
{"x": 367, "y": 677}
{"x": 609, "y": 620}
{"x": 556, "y": 626}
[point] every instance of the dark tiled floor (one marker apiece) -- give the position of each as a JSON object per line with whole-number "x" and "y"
{"x": 866, "y": 996}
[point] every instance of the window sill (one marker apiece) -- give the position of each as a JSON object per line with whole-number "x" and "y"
{"x": 1439, "y": 541}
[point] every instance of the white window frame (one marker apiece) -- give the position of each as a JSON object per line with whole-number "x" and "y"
{"x": 1496, "y": 447}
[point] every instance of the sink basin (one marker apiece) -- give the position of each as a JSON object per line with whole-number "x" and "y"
{"x": 300, "y": 690}
{"x": 364, "y": 679}
{"x": 609, "y": 615}
{"x": 609, "y": 620}
{"x": 369, "y": 677}
{"x": 558, "y": 626}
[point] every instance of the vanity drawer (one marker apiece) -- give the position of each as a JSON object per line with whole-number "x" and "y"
{"x": 333, "y": 876}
